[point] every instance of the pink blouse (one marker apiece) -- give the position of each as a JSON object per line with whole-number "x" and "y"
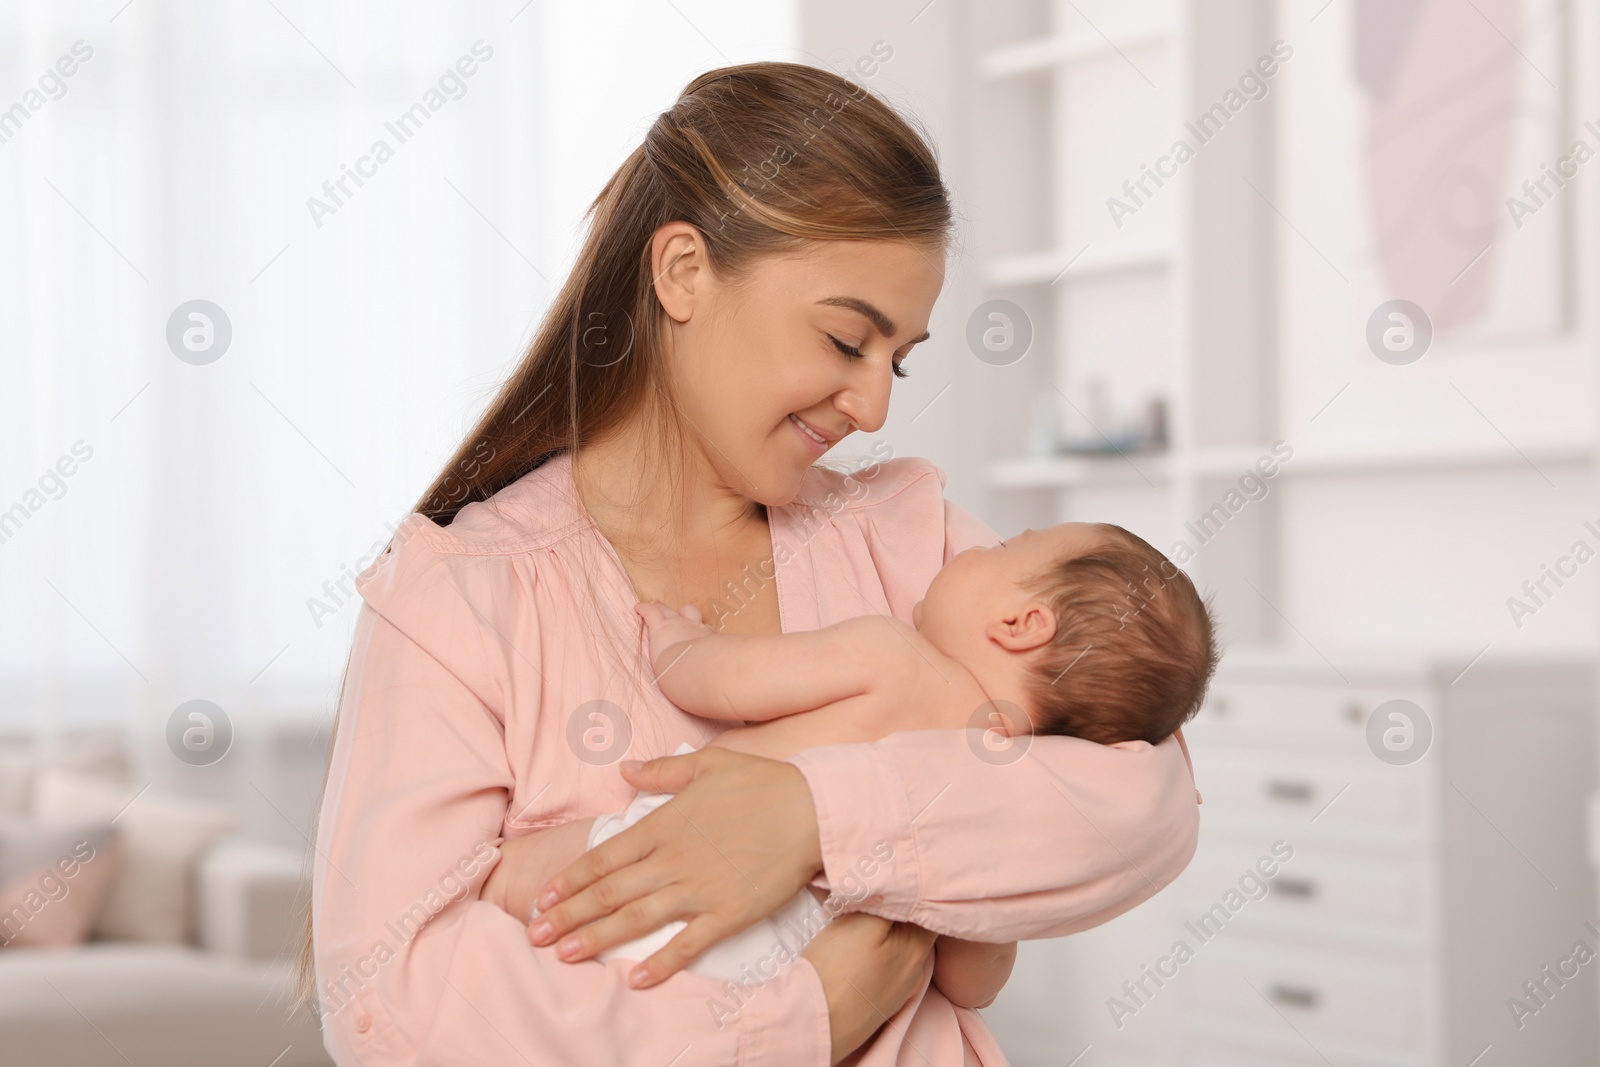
{"x": 482, "y": 702}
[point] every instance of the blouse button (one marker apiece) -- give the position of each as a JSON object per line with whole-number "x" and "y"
{"x": 363, "y": 1023}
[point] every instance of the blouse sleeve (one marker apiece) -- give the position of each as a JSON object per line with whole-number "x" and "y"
{"x": 927, "y": 827}
{"x": 412, "y": 968}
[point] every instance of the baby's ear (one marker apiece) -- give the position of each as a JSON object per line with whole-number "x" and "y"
{"x": 1031, "y": 627}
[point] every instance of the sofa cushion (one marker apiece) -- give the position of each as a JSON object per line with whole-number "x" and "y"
{"x": 116, "y": 1003}
{"x": 17, "y": 761}
{"x": 101, "y": 753}
{"x": 152, "y": 894}
{"x": 53, "y": 879}
{"x": 252, "y": 897}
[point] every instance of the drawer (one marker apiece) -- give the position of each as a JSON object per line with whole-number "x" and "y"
{"x": 1378, "y": 896}
{"x": 1222, "y": 1052}
{"x": 1285, "y": 791}
{"x": 1345, "y": 999}
{"x": 1317, "y": 714}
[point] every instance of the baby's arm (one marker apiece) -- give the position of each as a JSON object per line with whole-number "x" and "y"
{"x": 528, "y": 862}
{"x": 757, "y": 677}
{"x": 971, "y": 974}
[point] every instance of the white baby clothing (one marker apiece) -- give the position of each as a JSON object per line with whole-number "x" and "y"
{"x": 756, "y": 951}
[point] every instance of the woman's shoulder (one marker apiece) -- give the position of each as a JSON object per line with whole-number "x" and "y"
{"x": 485, "y": 554}
{"x": 537, "y": 509}
{"x": 891, "y": 481}
{"x": 898, "y": 501}
{"x": 891, "y": 517}
{"x": 468, "y": 593}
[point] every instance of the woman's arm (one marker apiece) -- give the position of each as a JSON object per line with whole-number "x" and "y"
{"x": 862, "y": 961}
{"x": 412, "y": 965}
{"x": 926, "y": 826}
{"x": 971, "y": 974}
{"x": 1069, "y": 835}
{"x": 866, "y": 965}
{"x": 880, "y": 964}
{"x": 1057, "y": 835}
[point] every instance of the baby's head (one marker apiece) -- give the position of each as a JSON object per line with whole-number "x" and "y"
{"x": 1118, "y": 644}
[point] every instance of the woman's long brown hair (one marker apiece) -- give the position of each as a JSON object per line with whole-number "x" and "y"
{"x": 761, "y": 158}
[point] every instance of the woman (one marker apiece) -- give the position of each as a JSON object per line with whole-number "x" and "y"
{"x": 754, "y": 275}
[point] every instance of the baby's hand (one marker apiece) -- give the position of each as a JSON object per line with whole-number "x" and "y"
{"x": 668, "y": 628}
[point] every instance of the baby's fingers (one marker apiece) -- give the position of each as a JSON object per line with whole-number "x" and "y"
{"x": 654, "y": 611}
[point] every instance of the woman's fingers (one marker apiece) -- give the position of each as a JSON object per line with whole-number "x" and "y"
{"x": 596, "y": 883}
{"x": 700, "y": 934}
{"x": 664, "y": 774}
{"x": 603, "y": 925}
{"x": 737, "y": 841}
{"x": 669, "y": 774}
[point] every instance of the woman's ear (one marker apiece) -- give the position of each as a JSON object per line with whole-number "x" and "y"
{"x": 1032, "y": 624}
{"x": 676, "y": 256}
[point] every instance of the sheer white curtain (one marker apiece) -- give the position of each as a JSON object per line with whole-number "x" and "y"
{"x": 381, "y": 201}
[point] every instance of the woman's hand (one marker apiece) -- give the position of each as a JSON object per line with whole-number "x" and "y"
{"x": 971, "y": 974}
{"x": 735, "y": 844}
{"x": 869, "y": 968}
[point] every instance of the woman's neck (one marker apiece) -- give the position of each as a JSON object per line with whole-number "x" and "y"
{"x": 649, "y": 509}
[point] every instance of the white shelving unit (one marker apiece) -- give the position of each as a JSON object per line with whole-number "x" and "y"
{"x": 1371, "y": 943}
{"x": 1059, "y": 94}
{"x": 1190, "y": 299}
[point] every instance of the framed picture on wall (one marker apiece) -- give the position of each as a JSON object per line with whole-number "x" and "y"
{"x": 1447, "y": 143}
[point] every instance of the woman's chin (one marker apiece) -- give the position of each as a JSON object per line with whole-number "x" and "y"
{"x": 779, "y": 485}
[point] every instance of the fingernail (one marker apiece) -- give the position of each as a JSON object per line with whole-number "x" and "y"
{"x": 638, "y": 977}
{"x": 568, "y": 946}
{"x": 632, "y": 764}
{"x": 547, "y": 901}
{"x": 541, "y": 931}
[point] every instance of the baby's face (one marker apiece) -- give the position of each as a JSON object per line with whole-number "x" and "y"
{"x": 981, "y": 585}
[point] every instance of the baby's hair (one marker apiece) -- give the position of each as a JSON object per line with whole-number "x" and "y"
{"x": 1134, "y": 647}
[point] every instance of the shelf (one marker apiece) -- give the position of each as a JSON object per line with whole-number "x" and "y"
{"x": 1059, "y": 472}
{"x": 1046, "y": 53}
{"x": 1043, "y": 268}
{"x": 1045, "y": 472}
{"x": 1233, "y": 461}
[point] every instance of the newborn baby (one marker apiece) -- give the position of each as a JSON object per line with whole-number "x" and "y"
{"x": 1081, "y": 629}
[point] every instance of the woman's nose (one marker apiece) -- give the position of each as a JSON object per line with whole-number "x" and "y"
{"x": 866, "y": 399}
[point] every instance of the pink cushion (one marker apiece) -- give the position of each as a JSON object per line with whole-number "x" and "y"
{"x": 53, "y": 878}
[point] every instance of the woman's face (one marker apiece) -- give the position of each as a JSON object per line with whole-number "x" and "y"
{"x": 760, "y": 366}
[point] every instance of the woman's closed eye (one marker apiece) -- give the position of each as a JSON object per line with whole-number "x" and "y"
{"x": 855, "y": 353}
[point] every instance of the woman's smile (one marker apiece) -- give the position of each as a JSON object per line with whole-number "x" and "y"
{"x": 812, "y": 438}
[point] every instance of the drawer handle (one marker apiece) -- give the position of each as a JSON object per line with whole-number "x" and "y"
{"x": 1219, "y": 706}
{"x": 1294, "y": 996}
{"x": 1354, "y": 713}
{"x": 1295, "y": 887}
{"x": 1298, "y": 792}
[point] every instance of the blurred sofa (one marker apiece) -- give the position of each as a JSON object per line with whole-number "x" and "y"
{"x": 186, "y": 959}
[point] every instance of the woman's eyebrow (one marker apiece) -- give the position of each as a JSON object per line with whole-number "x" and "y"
{"x": 878, "y": 319}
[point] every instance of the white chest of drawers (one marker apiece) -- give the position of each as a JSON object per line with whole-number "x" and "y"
{"x": 1418, "y": 900}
